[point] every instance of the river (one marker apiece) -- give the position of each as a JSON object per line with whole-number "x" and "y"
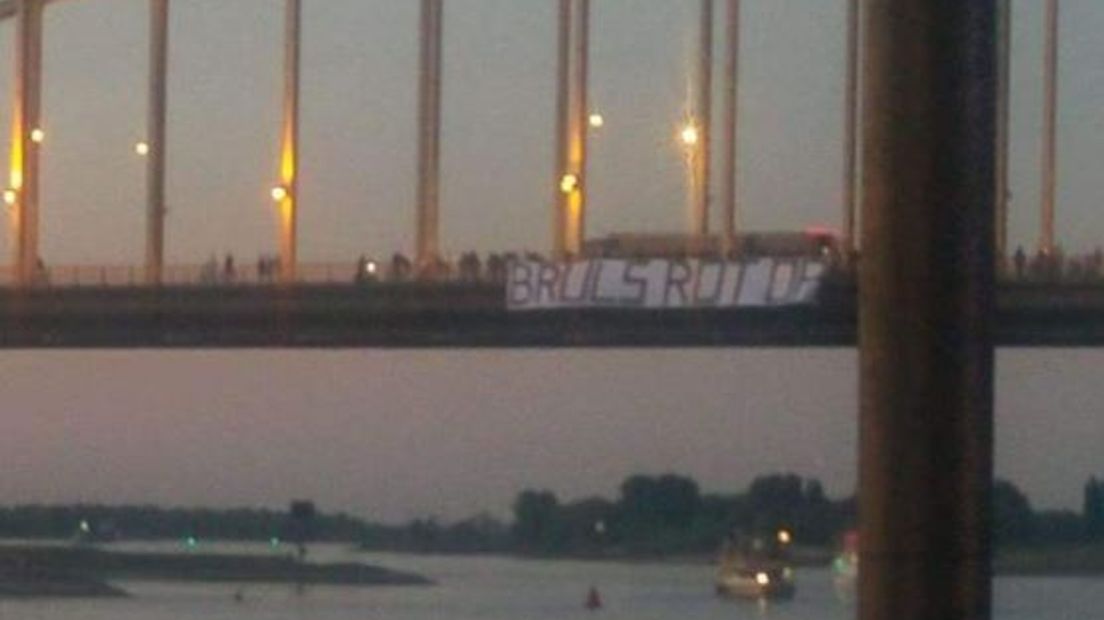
{"x": 491, "y": 588}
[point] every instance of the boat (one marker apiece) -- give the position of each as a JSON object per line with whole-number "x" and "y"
{"x": 755, "y": 584}
{"x": 845, "y": 566}
{"x": 756, "y": 568}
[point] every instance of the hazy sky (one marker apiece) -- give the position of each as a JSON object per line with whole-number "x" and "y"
{"x": 398, "y": 434}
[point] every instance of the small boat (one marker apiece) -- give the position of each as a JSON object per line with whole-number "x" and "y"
{"x": 754, "y": 584}
{"x": 755, "y": 568}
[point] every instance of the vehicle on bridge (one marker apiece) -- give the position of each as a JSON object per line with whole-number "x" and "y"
{"x": 814, "y": 242}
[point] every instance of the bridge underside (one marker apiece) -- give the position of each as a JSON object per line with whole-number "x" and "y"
{"x": 463, "y": 316}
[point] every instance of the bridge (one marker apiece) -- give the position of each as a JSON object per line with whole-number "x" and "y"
{"x": 159, "y": 305}
{"x": 474, "y": 315}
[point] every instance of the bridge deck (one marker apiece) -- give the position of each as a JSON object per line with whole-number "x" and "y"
{"x": 467, "y": 315}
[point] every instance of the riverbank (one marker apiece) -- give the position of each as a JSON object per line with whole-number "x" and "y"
{"x": 1058, "y": 561}
{"x": 28, "y": 570}
{"x": 23, "y": 576}
{"x": 1051, "y": 561}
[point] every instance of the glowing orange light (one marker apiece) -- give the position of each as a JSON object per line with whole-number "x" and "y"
{"x": 569, "y": 183}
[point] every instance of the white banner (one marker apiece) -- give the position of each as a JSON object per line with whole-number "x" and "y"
{"x": 662, "y": 283}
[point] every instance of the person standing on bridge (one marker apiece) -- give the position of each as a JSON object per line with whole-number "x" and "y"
{"x": 228, "y": 271}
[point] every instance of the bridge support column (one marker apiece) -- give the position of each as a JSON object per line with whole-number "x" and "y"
{"x": 563, "y": 112}
{"x": 156, "y": 140}
{"x": 572, "y": 125}
{"x": 926, "y": 306}
{"x": 427, "y": 242}
{"x": 703, "y": 158}
{"x": 851, "y": 133}
{"x": 1050, "y": 130}
{"x": 286, "y": 194}
{"x": 22, "y": 194}
{"x": 1004, "y": 83}
{"x": 729, "y": 184}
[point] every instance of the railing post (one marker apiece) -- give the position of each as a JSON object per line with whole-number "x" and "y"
{"x": 926, "y": 306}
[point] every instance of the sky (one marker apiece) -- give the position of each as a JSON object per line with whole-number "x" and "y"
{"x": 398, "y": 434}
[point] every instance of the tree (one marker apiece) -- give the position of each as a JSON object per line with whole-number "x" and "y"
{"x": 1094, "y": 509}
{"x": 669, "y": 501}
{"x": 776, "y": 500}
{"x": 1013, "y": 518}
{"x": 536, "y": 519}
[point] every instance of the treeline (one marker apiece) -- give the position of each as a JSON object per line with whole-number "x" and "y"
{"x": 1016, "y": 523}
{"x": 99, "y": 522}
{"x": 670, "y": 515}
{"x": 651, "y": 515}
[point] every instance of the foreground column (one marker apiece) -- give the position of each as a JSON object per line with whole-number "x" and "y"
{"x": 926, "y": 295}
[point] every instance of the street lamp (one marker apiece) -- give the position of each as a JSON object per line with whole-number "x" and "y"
{"x": 38, "y": 135}
{"x": 142, "y": 148}
{"x": 690, "y": 135}
{"x": 10, "y": 197}
{"x": 596, "y": 120}
{"x": 569, "y": 183}
{"x": 279, "y": 193}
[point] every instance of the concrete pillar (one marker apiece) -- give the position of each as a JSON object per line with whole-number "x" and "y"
{"x": 926, "y": 308}
{"x": 562, "y": 126}
{"x": 579, "y": 126}
{"x": 288, "y": 197}
{"x": 704, "y": 117}
{"x": 427, "y": 248}
{"x": 729, "y": 183}
{"x": 851, "y": 132}
{"x": 156, "y": 140}
{"x": 23, "y": 191}
{"x": 1050, "y": 130}
{"x": 1004, "y": 65}
{"x": 572, "y": 124}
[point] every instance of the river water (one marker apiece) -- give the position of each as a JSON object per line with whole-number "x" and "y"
{"x": 488, "y": 588}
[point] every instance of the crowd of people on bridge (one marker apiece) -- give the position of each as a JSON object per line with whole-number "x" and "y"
{"x": 469, "y": 268}
{"x": 1055, "y": 266}
{"x": 472, "y": 268}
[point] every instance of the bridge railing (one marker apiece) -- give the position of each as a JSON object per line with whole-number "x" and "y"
{"x": 220, "y": 274}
